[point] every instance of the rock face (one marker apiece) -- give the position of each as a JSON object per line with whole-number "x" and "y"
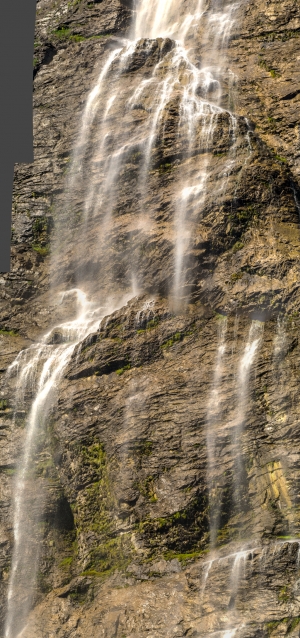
{"x": 165, "y": 480}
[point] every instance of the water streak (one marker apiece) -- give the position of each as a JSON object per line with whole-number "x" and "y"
{"x": 243, "y": 389}
{"x": 109, "y": 148}
{"x": 38, "y": 369}
{"x": 213, "y": 416}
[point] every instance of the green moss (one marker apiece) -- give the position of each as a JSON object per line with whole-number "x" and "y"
{"x": 122, "y": 370}
{"x": 237, "y": 246}
{"x": 3, "y": 404}
{"x": 236, "y": 276}
{"x": 271, "y": 626}
{"x": 41, "y": 226}
{"x": 152, "y": 323}
{"x": 66, "y": 562}
{"x": 184, "y": 558}
{"x": 281, "y": 159}
{"x": 147, "y": 489}
{"x": 41, "y": 250}
{"x": 284, "y": 594}
{"x": 263, "y": 63}
{"x": 9, "y": 333}
{"x": 74, "y": 3}
{"x": 77, "y": 38}
{"x": 182, "y": 533}
{"x": 110, "y": 556}
{"x": 94, "y": 516}
{"x": 223, "y": 535}
{"x": 295, "y": 622}
{"x": 174, "y": 339}
{"x": 165, "y": 168}
{"x": 63, "y": 33}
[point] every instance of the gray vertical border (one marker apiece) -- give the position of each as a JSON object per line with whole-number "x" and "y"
{"x": 17, "y": 26}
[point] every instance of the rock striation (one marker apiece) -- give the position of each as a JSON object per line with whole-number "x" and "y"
{"x": 164, "y": 485}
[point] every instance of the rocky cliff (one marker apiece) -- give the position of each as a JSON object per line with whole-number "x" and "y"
{"x": 166, "y": 477}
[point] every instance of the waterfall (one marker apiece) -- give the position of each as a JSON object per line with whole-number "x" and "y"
{"x": 243, "y": 377}
{"x": 38, "y": 369}
{"x": 109, "y": 150}
{"x": 213, "y": 416}
{"x": 214, "y": 413}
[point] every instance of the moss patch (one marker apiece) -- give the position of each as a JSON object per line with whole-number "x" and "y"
{"x": 105, "y": 551}
{"x": 184, "y": 532}
{"x": 178, "y": 336}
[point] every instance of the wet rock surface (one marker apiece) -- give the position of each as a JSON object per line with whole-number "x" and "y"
{"x": 123, "y": 464}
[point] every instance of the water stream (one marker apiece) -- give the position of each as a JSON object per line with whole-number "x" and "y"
{"x": 108, "y": 148}
{"x": 38, "y": 370}
{"x": 213, "y": 417}
{"x": 243, "y": 377}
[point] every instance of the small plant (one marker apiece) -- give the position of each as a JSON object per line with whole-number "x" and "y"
{"x": 281, "y": 159}
{"x": 66, "y": 562}
{"x": 77, "y": 38}
{"x": 174, "y": 339}
{"x": 147, "y": 489}
{"x": 41, "y": 250}
{"x": 271, "y": 626}
{"x": 183, "y": 558}
{"x": 3, "y": 404}
{"x": 63, "y": 33}
{"x": 295, "y": 622}
{"x": 166, "y": 168}
{"x": 263, "y": 63}
{"x": 10, "y": 333}
{"x": 152, "y": 323}
{"x": 284, "y": 595}
{"x": 236, "y": 276}
{"x": 92, "y": 572}
{"x": 122, "y": 370}
{"x": 237, "y": 246}
{"x": 74, "y": 3}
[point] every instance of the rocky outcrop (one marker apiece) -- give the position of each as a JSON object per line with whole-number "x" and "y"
{"x": 123, "y": 464}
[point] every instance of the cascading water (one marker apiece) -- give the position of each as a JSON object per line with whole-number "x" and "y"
{"x": 38, "y": 370}
{"x": 233, "y": 622}
{"x": 247, "y": 360}
{"x": 112, "y": 153}
{"x": 107, "y": 150}
{"x": 213, "y": 417}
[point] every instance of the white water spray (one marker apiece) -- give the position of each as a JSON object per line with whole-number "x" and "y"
{"x": 40, "y": 369}
{"x": 199, "y": 91}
